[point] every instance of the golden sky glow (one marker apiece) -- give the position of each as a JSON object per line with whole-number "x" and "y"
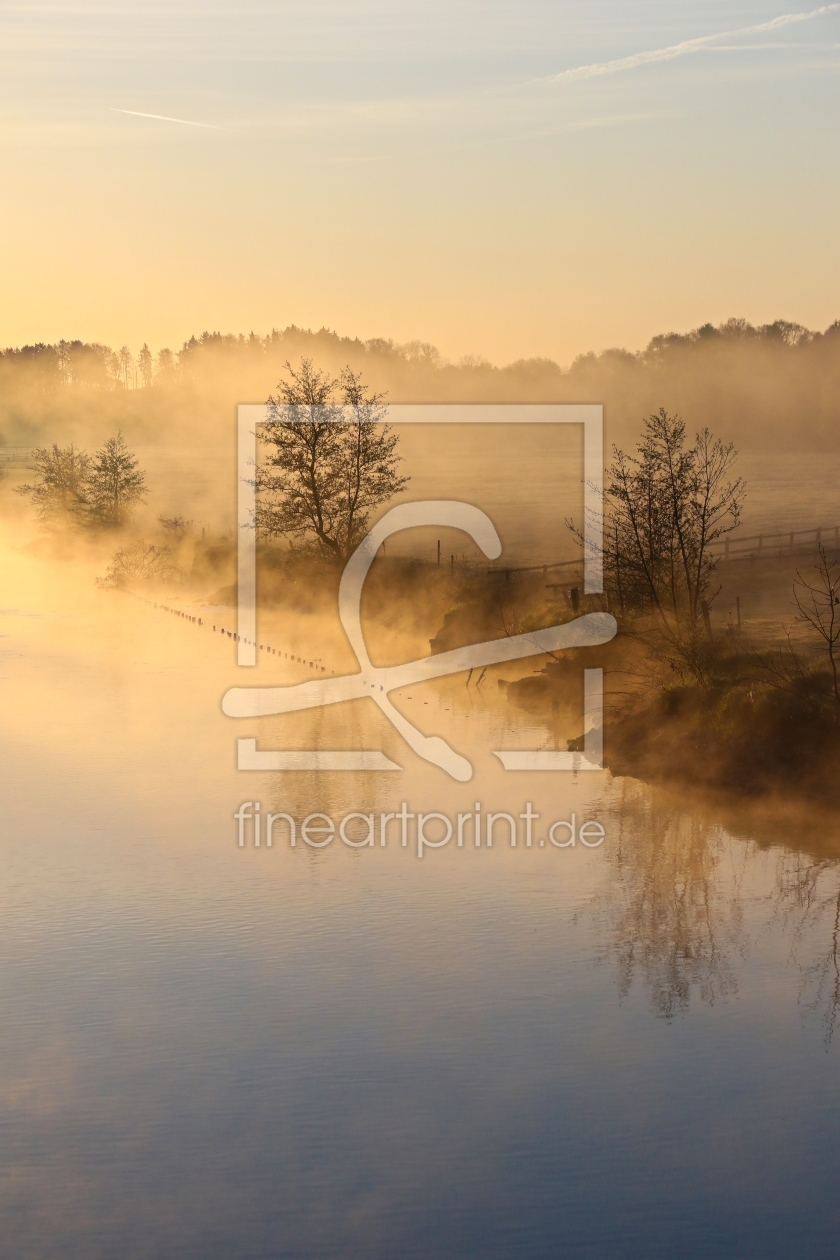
{"x": 500, "y": 179}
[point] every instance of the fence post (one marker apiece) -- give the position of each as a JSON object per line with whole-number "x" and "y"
{"x": 707, "y": 621}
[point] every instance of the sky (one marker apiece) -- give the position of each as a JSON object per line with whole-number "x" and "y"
{"x": 503, "y": 179}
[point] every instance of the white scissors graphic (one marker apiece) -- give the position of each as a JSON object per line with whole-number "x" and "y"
{"x": 586, "y": 631}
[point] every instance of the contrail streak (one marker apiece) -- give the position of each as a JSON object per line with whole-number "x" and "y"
{"x": 185, "y": 122}
{"x": 681, "y": 50}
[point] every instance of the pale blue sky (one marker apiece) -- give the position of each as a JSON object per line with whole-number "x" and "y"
{"x": 406, "y": 170}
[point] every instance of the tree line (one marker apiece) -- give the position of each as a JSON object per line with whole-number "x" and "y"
{"x": 91, "y": 364}
{"x": 47, "y": 367}
{"x": 82, "y": 364}
{"x": 763, "y": 385}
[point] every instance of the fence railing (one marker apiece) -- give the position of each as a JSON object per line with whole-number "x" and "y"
{"x": 769, "y": 545}
{"x": 15, "y": 456}
{"x": 537, "y": 568}
{"x": 766, "y": 546}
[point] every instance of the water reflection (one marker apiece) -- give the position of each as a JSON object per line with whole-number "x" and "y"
{"x": 209, "y": 1050}
{"x": 672, "y": 914}
{"x": 808, "y": 903}
{"x": 687, "y": 898}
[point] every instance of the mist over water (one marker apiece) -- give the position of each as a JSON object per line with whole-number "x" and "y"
{"x": 551, "y": 967}
{"x": 215, "y": 1049}
{"x": 221, "y": 1048}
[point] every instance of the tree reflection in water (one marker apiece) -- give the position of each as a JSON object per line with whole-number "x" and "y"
{"x": 808, "y": 901}
{"x": 672, "y": 915}
{"x": 688, "y": 893}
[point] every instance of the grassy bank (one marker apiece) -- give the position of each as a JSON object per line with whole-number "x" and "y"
{"x": 744, "y": 732}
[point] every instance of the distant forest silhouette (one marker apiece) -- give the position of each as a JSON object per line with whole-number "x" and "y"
{"x": 777, "y": 384}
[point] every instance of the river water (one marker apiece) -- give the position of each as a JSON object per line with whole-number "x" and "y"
{"x": 624, "y": 1050}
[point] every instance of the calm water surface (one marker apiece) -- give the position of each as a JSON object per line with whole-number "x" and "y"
{"x": 209, "y": 1050}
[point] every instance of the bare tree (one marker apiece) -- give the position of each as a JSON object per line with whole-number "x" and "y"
{"x": 329, "y": 463}
{"x": 370, "y": 459}
{"x": 818, "y": 604}
{"x": 666, "y": 506}
{"x": 60, "y": 488}
{"x": 140, "y": 562}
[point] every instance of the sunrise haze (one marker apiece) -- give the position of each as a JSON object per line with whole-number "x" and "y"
{"x": 429, "y": 172}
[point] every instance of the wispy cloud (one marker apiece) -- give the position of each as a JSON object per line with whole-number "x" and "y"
{"x": 683, "y": 49}
{"x": 185, "y": 122}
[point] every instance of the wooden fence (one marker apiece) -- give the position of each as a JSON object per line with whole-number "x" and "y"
{"x": 538, "y": 568}
{"x": 15, "y": 456}
{"x": 752, "y": 547}
{"x": 791, "y": 542}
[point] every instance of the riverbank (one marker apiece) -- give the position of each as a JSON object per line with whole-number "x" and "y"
{"x": 744, "y": 734}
